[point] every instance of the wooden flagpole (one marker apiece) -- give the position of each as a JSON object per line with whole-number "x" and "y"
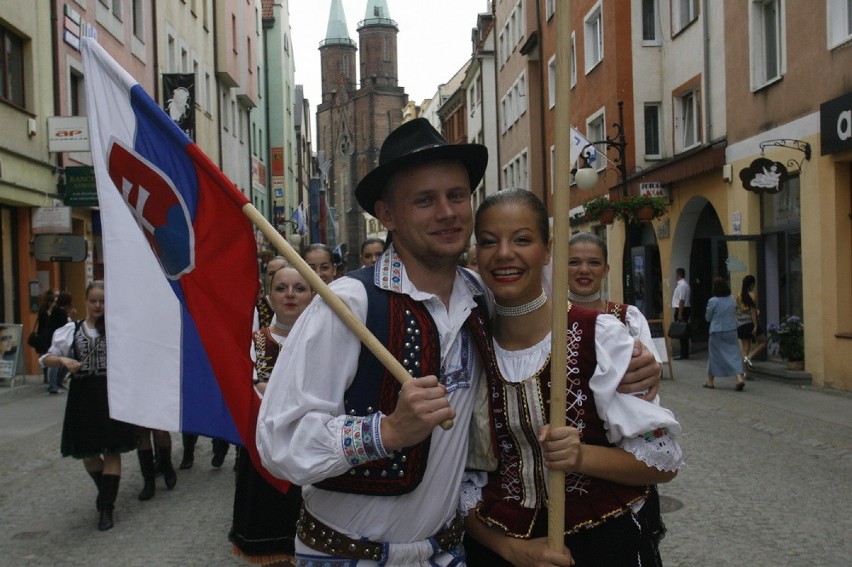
{"x": 558, "y": 259}
{"x": 335, "y": 303}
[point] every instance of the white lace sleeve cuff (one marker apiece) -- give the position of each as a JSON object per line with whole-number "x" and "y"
{"x": 471, "y": 491}
{"x": 656, "y": 449}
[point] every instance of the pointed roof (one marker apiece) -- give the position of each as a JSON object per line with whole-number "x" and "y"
{"x": 337, "y": 32}
{"x": 377, "y": 14}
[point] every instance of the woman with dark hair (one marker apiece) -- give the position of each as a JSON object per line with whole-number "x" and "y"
{"x": 51, "y": 316}
{"x": 613, "y": 447}
{"x": 725, "y": 358}
{"x": 321, "y": 260}
{"x": 88, "y": 432}
{"x": 747, "y": 312}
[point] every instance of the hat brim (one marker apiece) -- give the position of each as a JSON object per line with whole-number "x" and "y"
{"x": 473, "y": 156}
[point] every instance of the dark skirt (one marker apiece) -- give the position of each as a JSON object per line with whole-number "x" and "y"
{"x": 88, "y": 430}
{"x": 264, "y": 519}
{"x": 625, "y": 540}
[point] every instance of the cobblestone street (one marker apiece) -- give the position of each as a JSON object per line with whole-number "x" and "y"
{"x": 766, "y": 483}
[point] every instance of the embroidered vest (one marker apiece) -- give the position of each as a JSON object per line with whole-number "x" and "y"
{"x": 588, "y": 501}
{"x": 405, "y": 327}
{"x": 91, "y": 353}
{"x": 617, "y": 309}
{"x": 266, "y": 351}
{"x": 264, "y": 312}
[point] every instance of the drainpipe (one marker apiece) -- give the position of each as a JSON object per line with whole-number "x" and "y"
{"x": 708, "y": 121}
{"x": 218, "y": 94}
{"x": 270, "y": 205}
{"x": 545, "y": 151}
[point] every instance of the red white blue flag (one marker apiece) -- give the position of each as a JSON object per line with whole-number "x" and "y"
{"x": 180, "y": 267}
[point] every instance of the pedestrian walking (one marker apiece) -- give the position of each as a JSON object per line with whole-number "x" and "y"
{"x": 682, "y": 307}
{"x": 88, "y": 432}
{"x": 725, "y": 357}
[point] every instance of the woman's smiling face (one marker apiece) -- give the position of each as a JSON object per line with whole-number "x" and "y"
{"x": 511, "y": 253}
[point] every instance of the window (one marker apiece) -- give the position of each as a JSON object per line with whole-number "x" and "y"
{"x": 138, "y": 19}
{"x": 839, "y": 22}
{"x": 116, "y": 9}
{"x": 171, "y": 54}
{"x": 551, "y": 8}
{"x": 12, "y": 68}
{"x": 650, "y": 22}
{"x": 686, "y": 121}
{"x": 76, "y": 94}
{"x": 551, "y": 82}
{"x": 595, "y": 132}
{"x": 766, "y": 42}
{"x": 652, "y": 130}
{"x": 684, "y": 12}
{"x": 593, "y": 34}
{"x": 573, "y": 60}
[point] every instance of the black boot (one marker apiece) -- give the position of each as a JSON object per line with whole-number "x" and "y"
{"x": 188, "y": 451}
{"x": 169, "y": 475}
{"x": 220, "y": 449}
{"x": 158, "y": 466}
{"x": 108, "y": 492}
{"x": 96, "y": 476}
{"x": 146, "y": 463}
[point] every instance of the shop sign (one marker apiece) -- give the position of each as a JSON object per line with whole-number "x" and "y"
{"x": 60, "y": 248}
{"x": 51, "y": 220}
{"x": 653, "y": 189}
{"x": 67, "y": 134}
{"x": 835, "y": 125}
{"x": 764, "y": 176}
{"x": 80, "y": 189}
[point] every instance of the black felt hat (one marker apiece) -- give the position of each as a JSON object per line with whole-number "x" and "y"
{"x": 412, "y": 143}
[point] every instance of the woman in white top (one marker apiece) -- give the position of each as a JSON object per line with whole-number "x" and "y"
{"x": 611, "y": 450}
{"x": 88, "y": 432}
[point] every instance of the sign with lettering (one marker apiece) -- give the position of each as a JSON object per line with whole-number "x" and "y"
{"x": 835, "y": 125}
{"x": 67, "y": 134}
{"x": 80, "y": 190}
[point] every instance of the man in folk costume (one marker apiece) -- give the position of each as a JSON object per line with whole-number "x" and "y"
{"x": 380, "y": 480}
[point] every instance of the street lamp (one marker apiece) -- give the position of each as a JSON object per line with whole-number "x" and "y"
{"x": 586, "y": 176}
{"x": 295, "y": 239}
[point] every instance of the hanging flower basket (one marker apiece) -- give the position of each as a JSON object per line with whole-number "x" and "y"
{"x": 641, "y": 208}
{"x": 607, "y": 216}
{"x": 600, "y": 209}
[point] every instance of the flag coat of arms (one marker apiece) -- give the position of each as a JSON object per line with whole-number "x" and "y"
{"x": 180, "y": 267}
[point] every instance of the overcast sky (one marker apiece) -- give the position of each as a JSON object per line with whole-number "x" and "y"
{"x": 433, "y": 41}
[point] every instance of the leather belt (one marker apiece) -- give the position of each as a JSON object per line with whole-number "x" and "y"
{"x": 321, "y": 537}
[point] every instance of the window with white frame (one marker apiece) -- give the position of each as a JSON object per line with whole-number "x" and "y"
{"x": 650, "y": 22}
{"x": 551, "y": 82}
{"x": 12, "y": 68}
{"x": 652, "y": 130}
{"x": 684, "y": 12}
{"x": 767, "y": 41}
{"x": 516, "y": 172}
{"x": 138, "y": 19}
{"x": 839, "y": 22}
{"x": 593, "y": 37}
{"x": 596, "y": 131}
{"x": 687, "y": 127}
{"x": 552, "y": 168}
{"x": 550, "y": 8}
{"x": 573, "y": 60}
{"x": 512, "y": 32}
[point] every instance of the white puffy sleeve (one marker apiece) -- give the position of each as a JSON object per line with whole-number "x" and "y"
{"x": 299, "y": 428}
{"x": 63, "y": 338}
{"x": 645, "y": 429}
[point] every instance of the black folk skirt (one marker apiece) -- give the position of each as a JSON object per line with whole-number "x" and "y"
{"x": 88, "y": 430}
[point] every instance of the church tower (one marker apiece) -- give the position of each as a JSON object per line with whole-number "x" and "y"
{"x": 352, "y": 122}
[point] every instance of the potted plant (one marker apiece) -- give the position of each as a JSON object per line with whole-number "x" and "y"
{"x": 600, "y": 209}
{"x": 790, "y": 338}
{"x": 641, "y": 208}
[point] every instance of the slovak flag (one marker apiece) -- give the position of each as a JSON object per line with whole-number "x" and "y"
{"x": 180, "y": 268}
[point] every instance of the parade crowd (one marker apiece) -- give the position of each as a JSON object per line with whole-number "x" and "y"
{"x": 374, "y": 474}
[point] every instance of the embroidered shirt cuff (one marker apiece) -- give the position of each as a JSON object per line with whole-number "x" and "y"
{"x": 656, "y": 448}
{"x": 362, "y": 440}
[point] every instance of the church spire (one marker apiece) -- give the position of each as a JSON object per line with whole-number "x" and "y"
{"x": 377, "y": 13}
{"x": 337, "y": 32}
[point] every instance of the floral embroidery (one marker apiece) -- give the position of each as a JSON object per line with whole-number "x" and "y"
{"x": 361, "y": 439}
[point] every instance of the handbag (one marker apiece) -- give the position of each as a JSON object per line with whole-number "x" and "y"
{"x": 677, "y": 329}
{"x": 32, "y": 340}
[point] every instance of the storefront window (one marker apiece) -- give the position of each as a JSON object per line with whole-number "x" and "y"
{"x": 782, "y": 209}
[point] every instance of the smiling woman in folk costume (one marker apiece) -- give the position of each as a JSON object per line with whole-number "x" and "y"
{"x": 88, "y": 433}
{"x": 264, "y": 519}
{"x": 611, "y": 450}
